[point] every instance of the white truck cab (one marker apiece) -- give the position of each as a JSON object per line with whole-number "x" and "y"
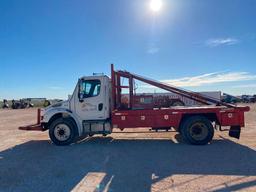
{"x": 86, "y": 112}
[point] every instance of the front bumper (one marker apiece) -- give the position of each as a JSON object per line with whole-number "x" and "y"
{"x": 34, "y": 127}
{"x": 39, "y": 126}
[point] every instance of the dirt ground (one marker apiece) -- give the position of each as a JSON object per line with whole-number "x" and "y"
{"x": 124, "y": 162}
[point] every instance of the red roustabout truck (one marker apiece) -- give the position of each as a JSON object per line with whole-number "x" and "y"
{"x": 96, "y": 107}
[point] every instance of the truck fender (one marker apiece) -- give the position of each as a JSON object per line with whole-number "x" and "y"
{"x": 52, "y": 114}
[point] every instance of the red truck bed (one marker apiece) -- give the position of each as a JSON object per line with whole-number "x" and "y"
{"x": 171, "y": 117}
{"x": 187, "y": 120}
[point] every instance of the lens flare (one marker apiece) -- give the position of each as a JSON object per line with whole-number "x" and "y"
{"x": 156, "y": 5}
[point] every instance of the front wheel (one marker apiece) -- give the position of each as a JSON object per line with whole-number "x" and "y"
{"x": 197, "y": 130}
{"x": 63, "y": 131}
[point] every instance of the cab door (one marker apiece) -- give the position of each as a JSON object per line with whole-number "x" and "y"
{"x": 91, "y": 99}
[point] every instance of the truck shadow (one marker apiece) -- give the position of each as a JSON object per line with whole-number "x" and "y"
{"x": 127, "y": 164}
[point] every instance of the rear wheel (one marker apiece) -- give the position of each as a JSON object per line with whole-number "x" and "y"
{"x": 197, "y": 130}
{"x": 63, "y": 131}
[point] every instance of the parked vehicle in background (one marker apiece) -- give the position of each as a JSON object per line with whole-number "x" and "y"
{"x": 164, "y": 100}
{"x": 21, "y": 104}
{"x": 5, "y": 104}
{"x": 227, "y": 98}
{"x": 248, "y": 99}
{"x": 149, "y": 101}
{"x": 254, "y": 98}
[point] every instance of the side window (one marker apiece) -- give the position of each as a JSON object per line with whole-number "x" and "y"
{"x": 89, "y": 88}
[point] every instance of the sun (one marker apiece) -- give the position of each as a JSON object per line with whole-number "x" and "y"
{"x": 156, "y": 5}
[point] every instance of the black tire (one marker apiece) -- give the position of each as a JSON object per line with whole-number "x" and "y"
{"x": 197, "y": 130}
{"x": 63, "y": 131}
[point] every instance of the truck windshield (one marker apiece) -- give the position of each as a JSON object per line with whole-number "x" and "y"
{"x": 90, "y": 88}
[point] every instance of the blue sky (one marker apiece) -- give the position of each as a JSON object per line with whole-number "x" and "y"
{"x": 201, "y": 45}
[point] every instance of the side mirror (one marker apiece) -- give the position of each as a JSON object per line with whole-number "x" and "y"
{"x": 81, "y": 97}
{"x": 80, "y": 93}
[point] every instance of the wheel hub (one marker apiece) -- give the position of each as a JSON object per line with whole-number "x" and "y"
{"x": 62, "y": 132}
{"x": 198, "y": 131}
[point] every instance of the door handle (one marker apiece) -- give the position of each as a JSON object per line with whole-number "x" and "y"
{"x": 100, "y": 106}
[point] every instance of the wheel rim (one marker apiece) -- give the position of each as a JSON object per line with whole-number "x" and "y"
{"x": 62, "y": 132}
{"x": 198, "y": 131}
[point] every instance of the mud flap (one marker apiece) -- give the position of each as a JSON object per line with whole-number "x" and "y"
{"x": 235, "y": 131}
